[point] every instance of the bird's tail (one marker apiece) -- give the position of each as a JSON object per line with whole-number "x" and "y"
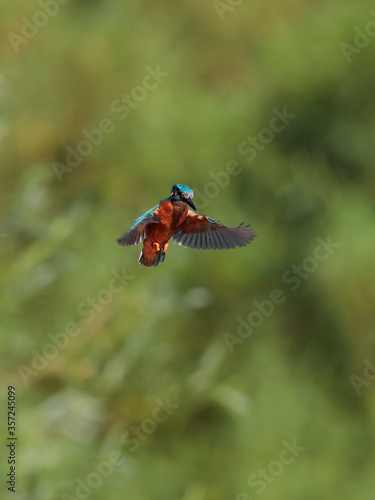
{"x": 150, "y": 256}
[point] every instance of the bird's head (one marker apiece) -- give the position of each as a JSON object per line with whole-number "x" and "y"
{"x": 183, "y": 193}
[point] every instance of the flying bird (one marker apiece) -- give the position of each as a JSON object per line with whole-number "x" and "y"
{"x": 171, "y": 217}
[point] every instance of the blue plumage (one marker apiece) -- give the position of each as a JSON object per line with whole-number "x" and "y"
{"x": 183, "y": 189}
{"x": 144, "y": 218}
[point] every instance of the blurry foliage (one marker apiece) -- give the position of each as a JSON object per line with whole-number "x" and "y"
{"x": 162, "y": 335}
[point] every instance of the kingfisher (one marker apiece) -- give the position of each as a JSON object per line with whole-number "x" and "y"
{"x": 171, "y": 217}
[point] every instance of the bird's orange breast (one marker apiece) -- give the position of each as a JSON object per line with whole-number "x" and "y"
{"x": 171, "y": 216}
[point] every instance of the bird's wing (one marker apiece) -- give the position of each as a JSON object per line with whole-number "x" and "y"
{"x": 199, "y": 231}
{"x": 139, "y": 231}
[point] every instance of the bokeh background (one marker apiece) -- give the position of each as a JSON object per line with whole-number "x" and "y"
{"x": 229, "y": 65}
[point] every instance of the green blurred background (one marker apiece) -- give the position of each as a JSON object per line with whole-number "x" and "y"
{"x": 229, "y": 66}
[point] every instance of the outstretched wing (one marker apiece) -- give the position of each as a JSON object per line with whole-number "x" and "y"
{"x": 199, "y": 231}
{"x": 139, "y": 231}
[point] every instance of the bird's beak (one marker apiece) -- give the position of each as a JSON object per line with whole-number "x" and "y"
{"x": 189, "y": 201}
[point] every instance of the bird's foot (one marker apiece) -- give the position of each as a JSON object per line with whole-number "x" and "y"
{"x": 156, "y": 245}
{"x": 165, "y": 247}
